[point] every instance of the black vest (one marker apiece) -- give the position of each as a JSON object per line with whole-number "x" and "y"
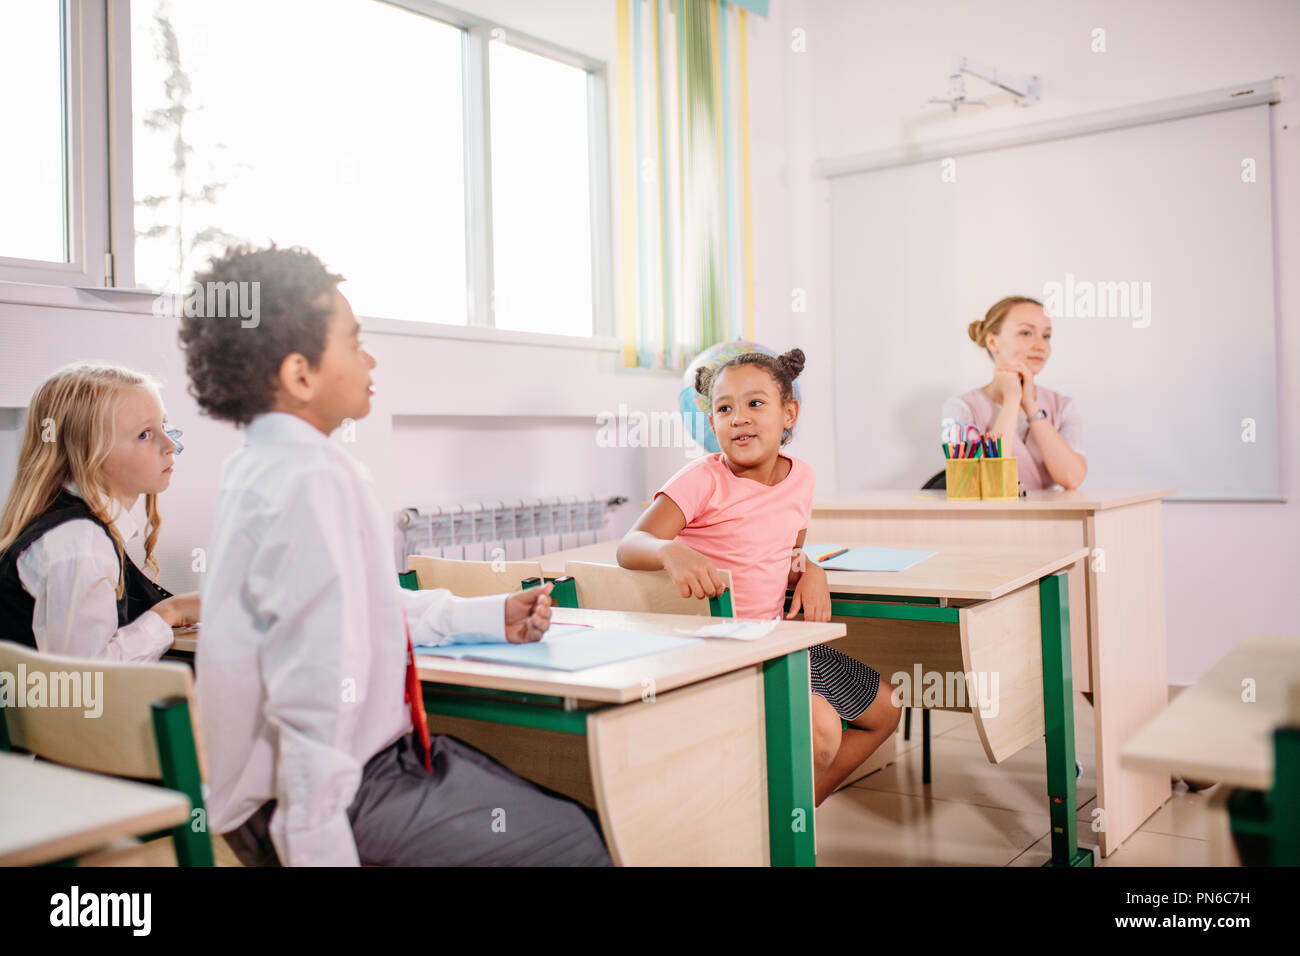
{"x": 17, "y": 606}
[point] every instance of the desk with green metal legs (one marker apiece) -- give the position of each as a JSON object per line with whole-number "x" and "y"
{"x": 989, "y": 622}
{"x": 952, "y": 647}
{"x": 1238, "y": 725}
{"x": 697, "y": 756}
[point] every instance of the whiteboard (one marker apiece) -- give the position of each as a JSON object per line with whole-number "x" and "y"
{"x": 1173, "y": 404}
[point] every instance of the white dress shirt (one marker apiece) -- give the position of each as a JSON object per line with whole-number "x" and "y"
{"x": 301, "y": 665}
{"x": 71, "y": 572}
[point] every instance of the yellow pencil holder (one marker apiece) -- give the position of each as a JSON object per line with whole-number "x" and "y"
{"x": 999, "y": 479}
{"x": 962, "y": 479}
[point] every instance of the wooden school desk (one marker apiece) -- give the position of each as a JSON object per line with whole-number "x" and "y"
{"x": 185, "y": 643}
{"x": 737, "y": 789}
{"x": 696, "y": 756}
{"x": 49, "y": 812}
{"x": 1225, "y": 727}
{"x": 977, "y": 611}
{"x": 1117, "y": 602}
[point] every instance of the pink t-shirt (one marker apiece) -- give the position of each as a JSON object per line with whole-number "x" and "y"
{"x": 976, "y": 408}
{"x": 744, "y": 526}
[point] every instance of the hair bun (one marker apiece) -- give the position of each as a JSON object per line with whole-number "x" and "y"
{"x": 703, "y": 378}
{"x": 793, "y": 362}
{"x": 973, "y": 330}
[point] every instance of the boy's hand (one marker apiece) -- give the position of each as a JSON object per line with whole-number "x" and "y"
{"x": 813, "y": 594}
{"x": 692, "y": 572}
{"x": 528, "y": 614}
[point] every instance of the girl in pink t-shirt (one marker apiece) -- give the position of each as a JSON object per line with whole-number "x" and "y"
{"x": 746, "y": 509}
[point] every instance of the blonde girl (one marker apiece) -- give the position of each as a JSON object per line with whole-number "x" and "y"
{"x": 95, "y": 440}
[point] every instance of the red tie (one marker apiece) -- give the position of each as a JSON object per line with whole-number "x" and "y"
{"x": 415, "y": 700}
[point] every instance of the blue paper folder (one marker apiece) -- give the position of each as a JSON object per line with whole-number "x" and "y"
{"x": 866, "y": 558}
{"x": 571, "y": 650}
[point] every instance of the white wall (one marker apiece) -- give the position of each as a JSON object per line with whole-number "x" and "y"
{"x": 862, "y": 83}
{"x": 453, "y": 419}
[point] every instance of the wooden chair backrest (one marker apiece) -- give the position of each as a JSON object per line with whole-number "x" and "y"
{"x": 608, "y": 587}
{"x": 471, "y": 578}
{"x": 109, "y": 728}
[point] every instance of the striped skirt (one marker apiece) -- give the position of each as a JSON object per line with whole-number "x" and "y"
{"x": 848, "y": 685}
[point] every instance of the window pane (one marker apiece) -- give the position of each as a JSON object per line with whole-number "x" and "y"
{"x": 541, "y": 207}
{"x": 33, "y": 172}
{"x": 332, "y": 124}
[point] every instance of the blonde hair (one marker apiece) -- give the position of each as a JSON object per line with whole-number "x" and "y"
{"x": 67, "y": 437}
{"x": 992, "y": 322}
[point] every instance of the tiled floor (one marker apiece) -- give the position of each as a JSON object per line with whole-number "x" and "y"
{"x": 977, "y": 814}
{"x": 972, "y": 814}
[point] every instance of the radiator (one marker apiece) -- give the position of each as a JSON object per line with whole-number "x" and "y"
{"x": 503, "y": 530}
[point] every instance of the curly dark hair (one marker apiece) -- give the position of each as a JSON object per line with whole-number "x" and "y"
{"x": 234, "y": 368}
{"x": 784, "y": 369}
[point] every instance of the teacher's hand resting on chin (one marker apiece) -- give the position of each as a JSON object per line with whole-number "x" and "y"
{"x": 1040, "y": 427}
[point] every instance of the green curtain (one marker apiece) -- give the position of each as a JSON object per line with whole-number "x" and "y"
{"x": 685, "y": 265}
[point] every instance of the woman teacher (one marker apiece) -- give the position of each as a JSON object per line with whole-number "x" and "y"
{"x": 1042, "y": 425}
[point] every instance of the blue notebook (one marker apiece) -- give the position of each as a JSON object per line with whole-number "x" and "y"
{"x": 866, "y": 558}
{"x": 567, "y": 648}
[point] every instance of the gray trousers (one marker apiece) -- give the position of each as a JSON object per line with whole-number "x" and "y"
{"x": 471, "y": 811}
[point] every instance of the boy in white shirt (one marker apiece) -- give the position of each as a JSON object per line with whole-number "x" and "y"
{"x": 304, "y": 654}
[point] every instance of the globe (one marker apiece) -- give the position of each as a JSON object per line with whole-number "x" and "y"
{"x": 694, "y": 408}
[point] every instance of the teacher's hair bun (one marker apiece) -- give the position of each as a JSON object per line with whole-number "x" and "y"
{"x": 973, "y": 330}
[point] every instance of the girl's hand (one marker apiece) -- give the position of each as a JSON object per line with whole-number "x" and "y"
{"x": 813, "y": 594}
{"x": 179, "y": 610}
{"x": 1006, "y": 386}
{"x": 528, "y": 614}
{"x": 1028, "y": 391}
{"x": 692, "y": 572}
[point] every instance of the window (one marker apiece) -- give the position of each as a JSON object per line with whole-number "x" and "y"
{"x": 452, "y": 174}
{"x": 33, "y": 165}
{"x": 541, "y": 194}
{"x": 332, "y": 124}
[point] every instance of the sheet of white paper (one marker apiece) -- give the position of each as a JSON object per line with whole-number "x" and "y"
{"x": 734, "y": 629}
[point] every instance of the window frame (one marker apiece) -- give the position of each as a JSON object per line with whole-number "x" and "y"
{"x": 86, "y": 150}
{"x": 477, "y": 35}
{"x": 101, "y": 188}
